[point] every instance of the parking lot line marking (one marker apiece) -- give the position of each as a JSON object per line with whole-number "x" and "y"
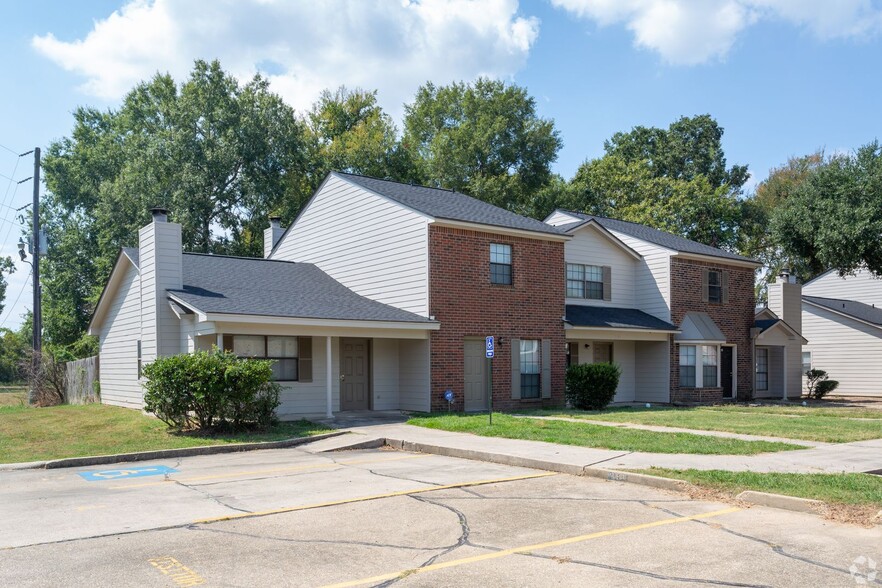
{"x": 263, "y": 513}
{"x": 270, "y": 471}
{"x": 529, "y": 548}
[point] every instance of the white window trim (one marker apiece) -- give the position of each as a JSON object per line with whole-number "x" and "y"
{"x": 699, "y": 364}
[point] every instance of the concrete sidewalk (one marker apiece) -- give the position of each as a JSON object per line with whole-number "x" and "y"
{"x": 861, "y": 456}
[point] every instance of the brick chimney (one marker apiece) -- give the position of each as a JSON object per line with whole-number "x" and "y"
{"x": 272, "y": 235}
{"x": 160, "y": 260}
{"x": 785, "y": 299}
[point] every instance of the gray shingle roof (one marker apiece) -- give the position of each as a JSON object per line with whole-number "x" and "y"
{"x": 447, "y": 204}
{"x": 614, "y": 318}
{"x": 858, "y": 310}
{"x": 132, "y": 253}
{"x": 246, "y": 285}
{"x": 766, "y": 324}
{"x": 658, "y": 237}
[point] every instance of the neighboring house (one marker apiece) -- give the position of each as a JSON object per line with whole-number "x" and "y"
{"x": 676, "y": 315}
{"x": 779, "y": 342}
{"x": 380, "y": 294}
{"x": 842, "y": 320}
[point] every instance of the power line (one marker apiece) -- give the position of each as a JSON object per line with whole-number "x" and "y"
{"x": 17, "y": 298}
{"x": 2, "y": 146}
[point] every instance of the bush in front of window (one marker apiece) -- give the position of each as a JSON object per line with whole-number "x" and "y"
{"x": 592, "y": 386}
{"x": 211, "y": 390}
{"x": 819, "y": 384}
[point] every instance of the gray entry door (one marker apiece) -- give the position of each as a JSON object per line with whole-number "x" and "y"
{"x": 475, "y": 391}
{"x": 355, "y": 384}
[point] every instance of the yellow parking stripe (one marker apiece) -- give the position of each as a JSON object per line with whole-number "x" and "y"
{"x": 529, "y": 548}
{"x": 270, "y": 471}
{"x": 262, "y": 513}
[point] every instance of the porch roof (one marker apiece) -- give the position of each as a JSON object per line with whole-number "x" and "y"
{"x": 221, "y": 285}
{"x": 699, "y": 327}
{"x": 604, "y": 317}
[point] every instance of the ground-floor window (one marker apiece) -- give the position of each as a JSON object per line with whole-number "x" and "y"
{"x": 762, "y": 369}
{"x": 284, "y": 351}
{"x": 530, "y": 369}
{"x": 806, "y": 361}
{"x": 690, "y": 375}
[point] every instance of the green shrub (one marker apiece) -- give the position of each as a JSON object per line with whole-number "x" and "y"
{"x": 592, "y": 386}
{"x": 211, "y": 389}
{"x": 819, "y": 384}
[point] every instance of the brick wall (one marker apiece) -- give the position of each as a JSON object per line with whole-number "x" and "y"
{"x": 462, "y": 298}
{"x": 734, "y": 319}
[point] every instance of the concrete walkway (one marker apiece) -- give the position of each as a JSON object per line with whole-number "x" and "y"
{"x": 861, "y": 456}
{"x": 662, "y": 429}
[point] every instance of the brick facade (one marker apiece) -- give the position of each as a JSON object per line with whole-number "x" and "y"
{"x": 467, "y": 305}
{"x": 734, "y": 319}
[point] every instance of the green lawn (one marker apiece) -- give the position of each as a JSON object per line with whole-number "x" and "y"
{"x": 829, "y": 425}
{"x": 13, "y": 396}
{"x": 586, "y": 435}
{"x": 850, "y": 489}
{"x": 33, "y": 434}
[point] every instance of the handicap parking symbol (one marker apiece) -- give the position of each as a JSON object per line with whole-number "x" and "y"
{"x": 125, "y": 473}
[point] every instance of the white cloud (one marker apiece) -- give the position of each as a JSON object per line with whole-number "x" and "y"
{"x": 689, "y": 32}
{"x": 304, "y": 46}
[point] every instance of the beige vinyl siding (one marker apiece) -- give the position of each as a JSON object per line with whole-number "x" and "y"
{"x": 652, "y": 277}
{"x": 652, "y": 382}
{"x": 776, "y": 341}
{"x": 413, "y": 375}
{"x": 623, "y": 356}
{"x": 559, "y": 217}
{"x": 861, "y": 287}
{"x": 373, "y": 246}
{"x": 161, "y": 269}
{"x": 147, "y": 294}
{"x": 384, "y": 373}
{"x": 118, "y": 349}
{"x": 590, "y": 247}
{"x": 850, "y": 351}
{"x": 304, "y": 399}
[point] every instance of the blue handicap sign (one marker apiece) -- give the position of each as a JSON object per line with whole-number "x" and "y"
{"x": 127, "y": 472}
{"x": 490, "y": 346}
{"x": 448, "y": 396}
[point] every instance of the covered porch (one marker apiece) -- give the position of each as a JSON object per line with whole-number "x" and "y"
{"x": 777, "y": 360}
{"x": 637, "y": 342}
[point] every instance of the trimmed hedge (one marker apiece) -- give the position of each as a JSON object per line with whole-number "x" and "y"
{"x": 211, "y": 389}
{"x": 592, "y": 386}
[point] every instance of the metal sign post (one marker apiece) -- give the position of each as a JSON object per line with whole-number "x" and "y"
{"x": 491, "y": 351}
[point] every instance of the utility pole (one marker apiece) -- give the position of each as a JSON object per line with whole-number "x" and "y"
{"x": 37, "y": 313}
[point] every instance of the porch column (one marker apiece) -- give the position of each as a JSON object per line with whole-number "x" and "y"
{"x": 220, "y": 341}
{"x": 329, "y": 401}
{"x": 784, "y": 352}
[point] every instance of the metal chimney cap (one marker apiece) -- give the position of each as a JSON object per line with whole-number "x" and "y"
{"x": 160, "y": 213}
{"x": 275, "y": 222}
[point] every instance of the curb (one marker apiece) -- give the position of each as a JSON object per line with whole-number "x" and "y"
{"x": 71, "y": 462}
{"x": 782, "y": 501}
{"x": 779, "y": 501}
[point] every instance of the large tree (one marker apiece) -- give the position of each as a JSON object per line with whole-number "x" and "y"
{"x": 674, "y": 179}
{"x": 484, "y": 138}
{"x": 220, "y": 154}
{"x": 833, "y": 218}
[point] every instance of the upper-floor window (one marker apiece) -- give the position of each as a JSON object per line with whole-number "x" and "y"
{"x": 715, "y": 286}
{"x": 588, "y": 281}
{"x": 500, "y": 263}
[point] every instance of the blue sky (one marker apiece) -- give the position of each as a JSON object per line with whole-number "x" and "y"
{"x": 783, "y": 77}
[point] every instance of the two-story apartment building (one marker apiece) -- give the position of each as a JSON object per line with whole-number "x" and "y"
{"x": 677, "y": 316}
{"x": 380, "y": 294}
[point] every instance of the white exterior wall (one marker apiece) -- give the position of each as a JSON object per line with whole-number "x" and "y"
{"x": 652, "y": 382}
{"x": 850, "y": 351}
{"x": 414, "y": 383}
{"x": 623, "y": 356}
{"x": 861, "y": 287}
{"x": 118, "y": 344}
{"x": 304, "y": 399}
{"x": 785, "y": 300}
{"x": 652, "y": 277}
{"x": 375, "y": 247}
{"x": 590, "y": 247}
{"x": 559, "y": 217}
{"x": 384, "y": 373}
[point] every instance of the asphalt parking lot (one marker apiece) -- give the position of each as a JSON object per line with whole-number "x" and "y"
{"x": 377, "y": 518}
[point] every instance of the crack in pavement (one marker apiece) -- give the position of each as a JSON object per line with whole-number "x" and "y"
{"x": 322, "y": 541}
{"x": 211, "y": 496}
{"x": 775, "y": 548}
{"x": 403, "y": 478}
{"x": 608, "y": 459}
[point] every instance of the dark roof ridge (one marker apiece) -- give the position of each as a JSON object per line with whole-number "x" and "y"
{"x": 411, "y": 184}
{"x": 219, "y": 255}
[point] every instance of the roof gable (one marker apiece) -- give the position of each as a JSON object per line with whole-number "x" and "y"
{"x": 606, "y": 234}
{"x": 700, "y": 327}
{"x": 127, "y": 257}
{"x": 657, "y": 237}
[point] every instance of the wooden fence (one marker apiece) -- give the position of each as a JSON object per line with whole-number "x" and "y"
{"x": 81, "y": 381}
